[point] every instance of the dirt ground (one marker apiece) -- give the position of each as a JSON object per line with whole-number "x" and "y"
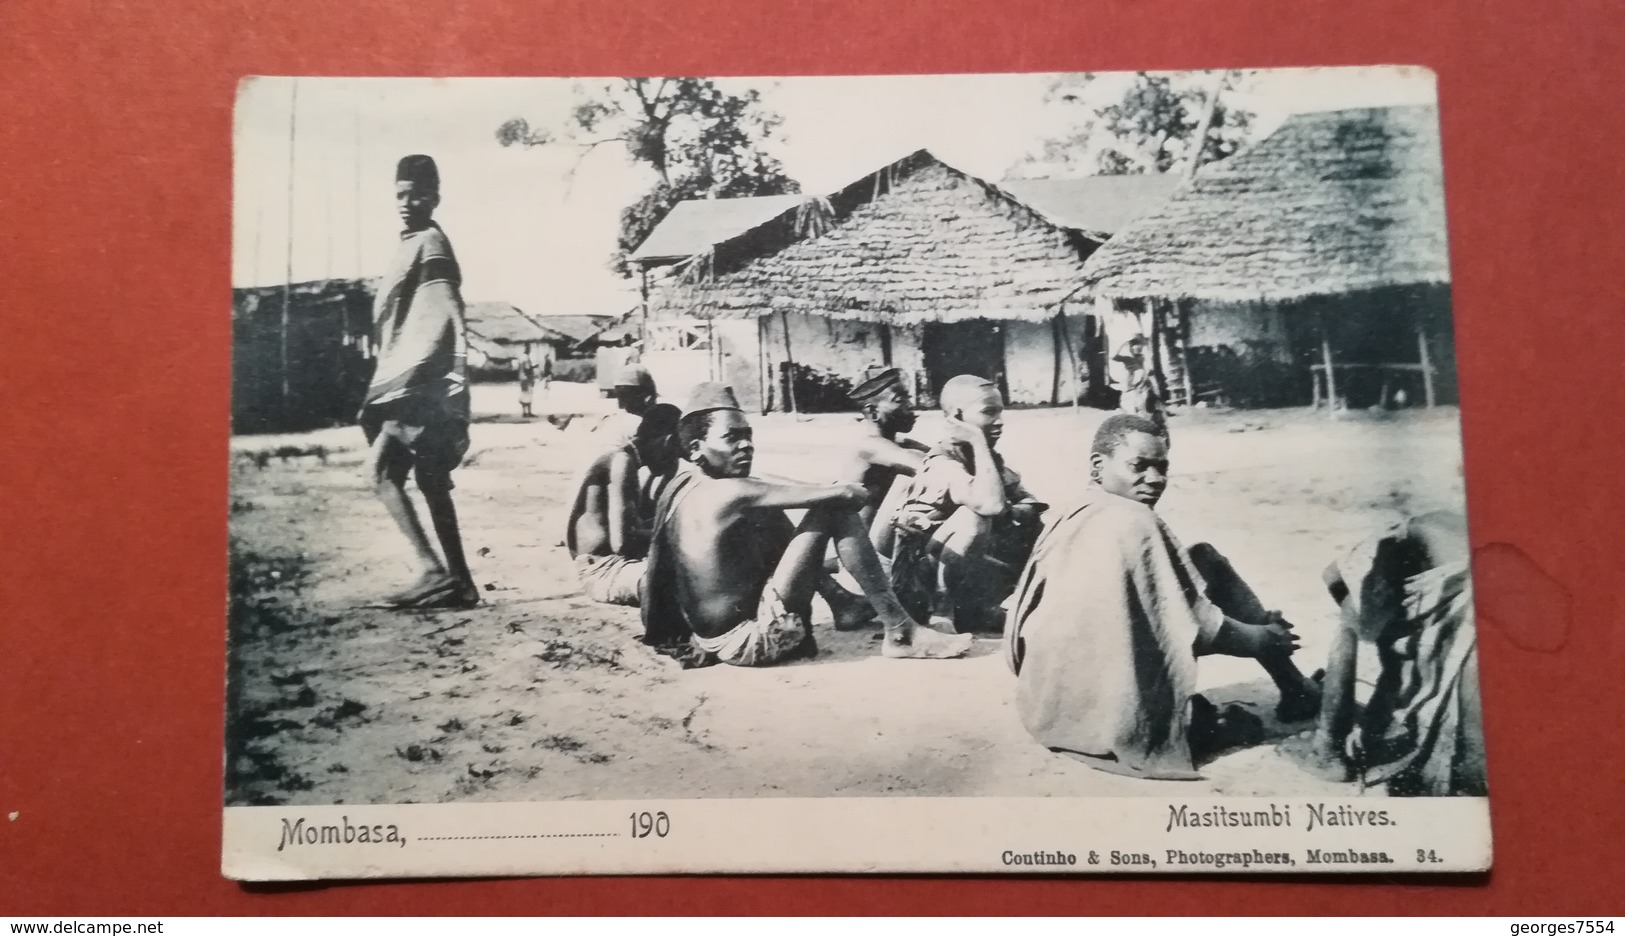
{"x": 539, "y": 694}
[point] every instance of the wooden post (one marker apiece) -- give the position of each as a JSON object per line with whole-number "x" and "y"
{"x": 1167, "y": 352}
{"x": 287, "y": 274}
{"x": 1155, "y": 377}
{"x": 761, "y": 363}
{"x": 1326, "y": 359}
{"x": 1057, "y": 330}
{"x": 1185, "y": 356}
{"x": 643, "y": 289}
{"x": 885, "y": 343}
{"x": 789, "y": 363}
{"x": 1427, "y": 364}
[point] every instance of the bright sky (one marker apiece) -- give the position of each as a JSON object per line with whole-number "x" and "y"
{"x": 527, "y": 233}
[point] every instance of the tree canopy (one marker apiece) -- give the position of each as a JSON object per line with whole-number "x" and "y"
{"x": 700, "y": 141}
{"x": 1145, "y": 125}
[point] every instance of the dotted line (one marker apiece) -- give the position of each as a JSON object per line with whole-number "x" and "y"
{"x": 486, "y": 838}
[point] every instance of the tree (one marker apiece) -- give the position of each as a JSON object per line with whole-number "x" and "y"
{"x": 699, "y": 140}
{"x": 1142, "y": 125}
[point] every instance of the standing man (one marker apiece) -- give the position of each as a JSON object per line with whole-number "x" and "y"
{"x": 731, "y": 575}
{"x": 968, "y": 524}
{"x": 416, "y": 412}
{"x": 527, "y": 385}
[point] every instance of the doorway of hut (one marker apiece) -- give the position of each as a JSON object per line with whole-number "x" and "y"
{"x": 950, "y": 349}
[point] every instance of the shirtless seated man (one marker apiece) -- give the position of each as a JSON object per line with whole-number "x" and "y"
{"x": 883, "y": 463}
{"x": 1112, "y": 613}
{"x": 610, "y": 520}
{"x": 967, "y": 524}
{"x": 728, "y": 571}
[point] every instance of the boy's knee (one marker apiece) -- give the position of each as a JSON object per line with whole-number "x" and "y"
{"x": 1205, "y": 557}
{"x": 965, "y": 523}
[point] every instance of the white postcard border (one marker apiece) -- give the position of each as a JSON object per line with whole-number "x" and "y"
{"x": 1097, "y": 835}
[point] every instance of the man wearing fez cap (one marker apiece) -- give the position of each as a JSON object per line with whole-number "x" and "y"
{"x": 881, "y": 458}
{"x": 633, "y": 389}
{"x": 416, "y": 412}
{"x": 731, "y": 576}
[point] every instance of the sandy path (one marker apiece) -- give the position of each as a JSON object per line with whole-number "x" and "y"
{"x": 540, "y": 694}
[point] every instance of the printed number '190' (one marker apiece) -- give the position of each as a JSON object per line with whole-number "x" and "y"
{"x": 645, "y": 824}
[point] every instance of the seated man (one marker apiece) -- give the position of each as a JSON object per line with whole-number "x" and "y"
{"x": 731, "y": 576}
{"x": 1407, "y": 590}
{"x": 883, "y": 464}
{"x": 610, "y": 520}
{"x": 967, "y": 525}
{"x": 881, "y": 461}
{"x": 633, "y": 389}
{"x": 1111, "y": 614}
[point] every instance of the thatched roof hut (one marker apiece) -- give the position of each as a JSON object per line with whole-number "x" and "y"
{"x": 1330, "y": 203}
{"x": 497, "y": 328}
{"x": 1097, "y": 206}
{"x": 693, "y": 226}
{"x": 917, "y": 241}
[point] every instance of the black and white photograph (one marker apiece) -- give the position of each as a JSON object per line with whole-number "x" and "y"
{"x": 935, "y": 473}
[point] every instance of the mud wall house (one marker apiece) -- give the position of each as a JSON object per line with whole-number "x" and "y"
{"x": 1322, "y": 244}
{"x": 918, "y": 266}
{"x": 301, "y": 356}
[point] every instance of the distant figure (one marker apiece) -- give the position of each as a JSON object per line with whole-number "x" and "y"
{"x": 731, "y": 578}
{"x": 546, "y": 375}
{"x": 527, "y": 386}
{"x": 1112, "y": 613}
{"x": 967, "y": 524}
{"x": 416, "y": 413}
{"x": 613, "y": 513}
{"x": 1408, "y": 591}
{"x": 1139, "y": 395}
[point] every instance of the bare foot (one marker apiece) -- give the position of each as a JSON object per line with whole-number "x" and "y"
{"x": 1303, "y": 703}
{"x": 925, "y": 644}
{"x": 1214, "y": 730}
{"x": 457, "y": 594}
{"x": 431, "y": 585}
{"x": 852, "y": 612}
{"x": 1305, "y": 750}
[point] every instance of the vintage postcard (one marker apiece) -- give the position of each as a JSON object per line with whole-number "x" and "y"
{"x": 1040, "y": 473}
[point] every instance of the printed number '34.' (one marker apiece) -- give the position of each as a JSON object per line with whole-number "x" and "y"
{"x": 645, "y": 824}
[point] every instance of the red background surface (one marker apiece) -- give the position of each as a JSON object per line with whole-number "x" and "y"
{"x": 115, "y": 139}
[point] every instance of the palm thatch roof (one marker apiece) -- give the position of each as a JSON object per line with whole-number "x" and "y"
{"x": 1329, "y": 203}
{"x": 1098, "y": 206}
{"x": 574, "y": 329}
{"x": 693, "y": 226}
{"x": 916, "y": 241}
{"x": 502, "y": 323}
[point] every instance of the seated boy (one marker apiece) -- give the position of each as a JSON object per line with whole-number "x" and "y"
{"x": 967, "y": 525}
{"x": 1112, "y": 613}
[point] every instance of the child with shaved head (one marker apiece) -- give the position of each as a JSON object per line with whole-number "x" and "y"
{"x": 1112, "y": 612}
{"x": 967, "y": 524}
